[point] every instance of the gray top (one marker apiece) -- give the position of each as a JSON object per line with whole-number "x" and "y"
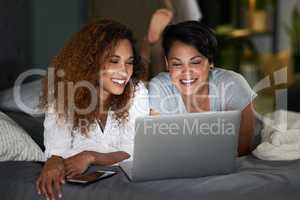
{"x": 228, "y": 90}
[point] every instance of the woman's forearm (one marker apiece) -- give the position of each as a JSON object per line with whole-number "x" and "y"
{"x": 246, "y": 138}
{"x": 107, "y": 158}
{"x": 55, "y": 161}
{"x": 247, "y": 128}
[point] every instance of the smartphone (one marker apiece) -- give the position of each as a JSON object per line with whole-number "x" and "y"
{"x": 91, "y": 177}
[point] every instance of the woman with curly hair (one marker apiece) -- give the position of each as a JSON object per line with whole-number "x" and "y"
{"x": 91, "y": 103}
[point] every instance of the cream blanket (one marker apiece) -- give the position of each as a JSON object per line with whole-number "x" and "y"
{"x": 280, "y": 137}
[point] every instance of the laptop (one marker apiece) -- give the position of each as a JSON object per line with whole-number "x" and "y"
{"x": 184, "y": 146}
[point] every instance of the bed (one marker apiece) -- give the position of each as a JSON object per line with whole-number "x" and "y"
{"x": 255, "y": 179}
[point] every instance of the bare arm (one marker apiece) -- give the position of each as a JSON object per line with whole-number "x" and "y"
{"x": 159, "y": 20}
{"x": 107, "y": 158}
{"x": 79, "y": 163}
{"x": 52, "y": 176}
{"x": 247, "y": 128}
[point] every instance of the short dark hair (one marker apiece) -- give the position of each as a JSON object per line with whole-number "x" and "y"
{"x": 192, "y": 33}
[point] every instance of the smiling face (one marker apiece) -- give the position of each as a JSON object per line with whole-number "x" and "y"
{"x": 188, "y": 68}
{"x": 117, "y": 69}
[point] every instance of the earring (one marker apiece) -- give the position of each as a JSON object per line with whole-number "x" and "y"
{"x": 211, "y": 67}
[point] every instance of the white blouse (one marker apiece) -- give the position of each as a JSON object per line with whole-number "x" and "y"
{"x": 58, "y": 139}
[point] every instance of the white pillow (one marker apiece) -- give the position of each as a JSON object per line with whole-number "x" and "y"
{"x": 16, "y": 144}
{"x": 30, "y": 97}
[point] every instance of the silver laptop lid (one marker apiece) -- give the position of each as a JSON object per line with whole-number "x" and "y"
{"x": 185, "y": 145}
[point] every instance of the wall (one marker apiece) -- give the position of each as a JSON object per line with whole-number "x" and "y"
{"x": 264, "y": 44}
{"x": 32, "y": 31}
{"x": 136, "y": 14}
{"x": 286, "y": 8}
{"x": 53, "y": 21}
{"x": 14, "y": 34}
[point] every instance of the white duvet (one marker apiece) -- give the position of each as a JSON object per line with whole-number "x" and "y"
{"x": 280, "y": 137}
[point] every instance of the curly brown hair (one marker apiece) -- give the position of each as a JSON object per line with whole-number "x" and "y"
{"x": 80, "y": 60}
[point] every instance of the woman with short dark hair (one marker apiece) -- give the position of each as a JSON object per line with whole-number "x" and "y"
{"x": 193, "y": 84}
